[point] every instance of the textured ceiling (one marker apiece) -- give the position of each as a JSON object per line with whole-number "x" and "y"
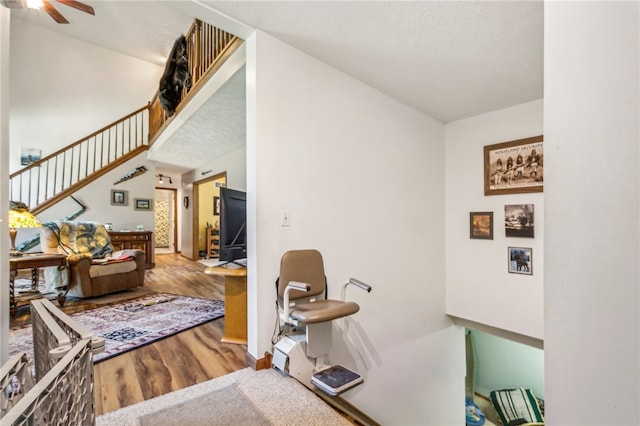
{"x": 447, "y": 59}
{"x": 215, "y": 129}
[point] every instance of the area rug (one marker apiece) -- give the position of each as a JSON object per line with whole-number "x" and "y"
{"x": 280, "y": 400}
{"x": 120, "y": 296}
{"x": 129, "y": 325}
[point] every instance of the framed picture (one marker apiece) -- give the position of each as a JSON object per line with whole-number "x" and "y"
{"x": 518, "y": 220}
{"x": 119, "y": 198}
{"x": 481, "y": 225}
{"x": 30, "y": 155}
{"x": 216, "y": 206}
{"x": 514, "y": 167}
{"x": 520, "y": 260}
{"x": 142, "y": 204}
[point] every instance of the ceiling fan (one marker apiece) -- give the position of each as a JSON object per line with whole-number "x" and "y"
{"x": 48, "y": 7}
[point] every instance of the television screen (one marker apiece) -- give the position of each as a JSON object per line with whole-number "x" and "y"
{"x": 233, "y": 225}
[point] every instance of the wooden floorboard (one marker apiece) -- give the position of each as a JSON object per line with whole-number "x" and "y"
{"x": 184, "y": 359}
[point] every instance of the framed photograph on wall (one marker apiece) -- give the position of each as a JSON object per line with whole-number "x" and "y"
{"x": 518, "y": 220}
{"x": 119, "y": 198}
{"x": 30, "y": 155}
{"x": 481, "y": 225}
{"x": 142, "y": 204}
{"x": 514, "y": 167}
{"x": 520, "y": 261}
{"x": 216, "y": 206}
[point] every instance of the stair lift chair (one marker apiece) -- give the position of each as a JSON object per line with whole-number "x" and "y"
{"x": 305, "y": 319}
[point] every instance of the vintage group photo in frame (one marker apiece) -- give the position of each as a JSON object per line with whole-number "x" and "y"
{"x": 481, "y": 225}
{"x": 520, "y": 261}
{"x": 518, "y": 220}
{"x": 514, "y": 167}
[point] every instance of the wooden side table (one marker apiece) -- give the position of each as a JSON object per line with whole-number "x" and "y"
{"x": 33, "y": 262}
{"x": 235, "y": 303}
{"x": 139, "y": 240}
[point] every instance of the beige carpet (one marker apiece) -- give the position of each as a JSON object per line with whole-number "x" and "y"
{"x": 226, "y": 406}
{"x": 280, "y": 400}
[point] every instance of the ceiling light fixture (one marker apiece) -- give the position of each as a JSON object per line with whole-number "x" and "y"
{"x": 35, "y": 4}
{"x": 161, "y": 178}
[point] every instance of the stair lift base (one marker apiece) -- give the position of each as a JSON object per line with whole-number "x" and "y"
{"x": 293, "y": 356}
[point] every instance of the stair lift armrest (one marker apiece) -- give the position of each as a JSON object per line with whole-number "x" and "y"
{"x": 293, "y": 285}
{"x": 357, "y": 283}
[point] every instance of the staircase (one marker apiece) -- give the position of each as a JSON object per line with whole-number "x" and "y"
{"x": 58, "y": 175}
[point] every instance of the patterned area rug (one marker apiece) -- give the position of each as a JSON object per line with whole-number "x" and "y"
{"x": 128, "y": 325}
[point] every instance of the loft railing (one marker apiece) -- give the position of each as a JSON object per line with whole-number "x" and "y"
{"x": 56, "y": 176}
{"x": 208, "y": 48}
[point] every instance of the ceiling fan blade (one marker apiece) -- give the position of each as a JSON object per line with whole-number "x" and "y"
{"x": 78, "y": 5}
{"x": 54, "y": 13}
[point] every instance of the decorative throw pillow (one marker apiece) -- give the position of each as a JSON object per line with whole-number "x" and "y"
{"x": 516, "y": 406}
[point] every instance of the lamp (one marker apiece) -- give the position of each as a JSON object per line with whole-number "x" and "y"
{"x": 20, "y": 217}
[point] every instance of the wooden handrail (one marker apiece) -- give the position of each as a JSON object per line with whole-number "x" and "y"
{"x": 58, "y": 175}
{"x": 46, "y": 181}
{"x": 208, "y": 48}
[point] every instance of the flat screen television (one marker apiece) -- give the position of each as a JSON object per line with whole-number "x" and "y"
{"x": 233, "y": 226}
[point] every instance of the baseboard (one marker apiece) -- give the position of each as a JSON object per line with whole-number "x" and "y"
{"x": 259, "y": 364}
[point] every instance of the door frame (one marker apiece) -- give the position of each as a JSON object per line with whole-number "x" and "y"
{"x": 195, "y": 222}
{"x": 175, "y": 216}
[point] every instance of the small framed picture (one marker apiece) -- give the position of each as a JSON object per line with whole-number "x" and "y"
{"x": 216, "y": 206}
{"x": 481, "y": 225}
{"x": 119, "y": 198}
{"x": 142, "y": 204}
{"x": 520, "y": 261}
{"x": 29, "y": 156}
{"x": 518, "y": 220}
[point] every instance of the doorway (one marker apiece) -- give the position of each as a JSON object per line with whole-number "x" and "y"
{"x": 206, "y": 215}
{"x": 166, "y": 221}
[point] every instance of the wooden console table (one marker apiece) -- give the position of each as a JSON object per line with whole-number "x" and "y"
{"x": 33, "y": 262}
{"x": 235, "y": 303}
{"x": 140, "y": 240}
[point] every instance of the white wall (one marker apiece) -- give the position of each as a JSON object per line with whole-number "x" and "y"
{"x": 592, "y": 191}
{"x": 362, "y": 177}
{"x": 63, "y": 89}
{"x": 97, "y": 198}
{"x": 504, "y": 364}
{"x": 479, "y": 287}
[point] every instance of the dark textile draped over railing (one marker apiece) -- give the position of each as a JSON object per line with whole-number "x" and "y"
{"x": 207, "y": 49}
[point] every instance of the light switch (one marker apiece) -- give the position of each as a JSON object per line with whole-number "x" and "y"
{"x": 284, "y": 218}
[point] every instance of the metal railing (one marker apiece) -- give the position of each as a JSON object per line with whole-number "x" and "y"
{"x": 63, "y": 352}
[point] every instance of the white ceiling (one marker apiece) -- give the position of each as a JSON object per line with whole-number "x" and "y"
{"x": 448, "y": 59}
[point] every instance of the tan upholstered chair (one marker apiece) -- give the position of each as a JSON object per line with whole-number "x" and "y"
{"x": 94, "y": 268}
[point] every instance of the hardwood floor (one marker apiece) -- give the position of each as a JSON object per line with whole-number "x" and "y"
{"x": 173, "y": 363}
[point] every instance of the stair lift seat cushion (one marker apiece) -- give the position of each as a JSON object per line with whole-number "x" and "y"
{"x": 94, "y": 268}
{"x": 322, "y": 310}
